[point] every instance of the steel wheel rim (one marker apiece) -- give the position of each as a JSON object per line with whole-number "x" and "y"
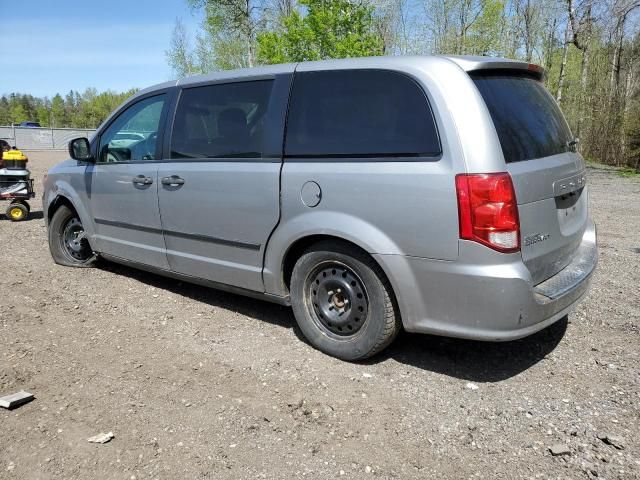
{"x": 74, "y": 240}
{"x": 337, "y": 299}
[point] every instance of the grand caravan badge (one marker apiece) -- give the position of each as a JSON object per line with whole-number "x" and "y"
{"x": 537, "y": 238}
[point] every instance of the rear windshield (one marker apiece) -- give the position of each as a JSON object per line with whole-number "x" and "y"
{"x": 527, "y": 118}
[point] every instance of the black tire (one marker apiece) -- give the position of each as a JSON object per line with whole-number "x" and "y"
{"x": 17, "y": 212}
{"x": 26, "y": 204}
{"x": 64, "y": 230}
{"x": 343, "y": 302}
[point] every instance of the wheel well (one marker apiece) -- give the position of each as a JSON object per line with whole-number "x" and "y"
{"x": 297, "y": 249}
{"x": 56, "y": 204}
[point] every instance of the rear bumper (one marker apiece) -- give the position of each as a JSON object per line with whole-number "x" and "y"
{"x": 490, "y": 299}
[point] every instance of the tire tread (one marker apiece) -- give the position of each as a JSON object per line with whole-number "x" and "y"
{"x": 58, "y": 256}
{"x": 391, "y": 318}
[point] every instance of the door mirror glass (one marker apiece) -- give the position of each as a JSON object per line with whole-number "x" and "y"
{"x": 80, "y": 149}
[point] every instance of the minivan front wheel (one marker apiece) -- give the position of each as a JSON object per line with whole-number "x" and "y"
{"x": 67, "y": 240}
{"x": 343, "y": 302}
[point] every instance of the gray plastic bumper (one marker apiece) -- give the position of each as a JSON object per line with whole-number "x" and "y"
{"x": 485, "y": 295}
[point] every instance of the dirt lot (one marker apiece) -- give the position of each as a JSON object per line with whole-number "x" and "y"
{"x": 195, "y": 383}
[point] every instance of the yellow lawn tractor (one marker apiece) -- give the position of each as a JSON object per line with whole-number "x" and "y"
{"x": 16, "y": 184}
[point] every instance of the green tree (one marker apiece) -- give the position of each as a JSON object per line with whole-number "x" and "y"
{"x": 330, "y": 29}
{"x": 179, "y": 56}
{"x": 5, "y": 117}
{"x": 58, "y": 119}
{"x": 633, "y": 137}
{"x": 227, "y": 38}
{"x": 86, "y": 110}
{"x": 18, "y": 113}
{"x": 70, "y": 109}
{"x": 483, "y": 36}
{"x": 28, "y": 105}
{"x": 42, "y": 112}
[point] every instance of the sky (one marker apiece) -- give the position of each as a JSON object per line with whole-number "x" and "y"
{"x": 53, "y": 46}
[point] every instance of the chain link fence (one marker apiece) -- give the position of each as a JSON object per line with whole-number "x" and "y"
{"x": 29, "y": 138}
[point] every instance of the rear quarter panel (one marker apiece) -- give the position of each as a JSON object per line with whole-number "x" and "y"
{"x": 385, "y": 206}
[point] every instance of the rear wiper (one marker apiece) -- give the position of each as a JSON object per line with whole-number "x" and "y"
{"x": 573, "y": 144}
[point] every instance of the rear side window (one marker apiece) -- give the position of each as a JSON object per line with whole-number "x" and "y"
{"x": 527, "y": 118}
{"x": 359, "y": 113}
{"x": 221, "y": 121}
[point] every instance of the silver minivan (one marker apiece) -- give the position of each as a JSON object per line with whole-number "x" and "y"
{"x": 441, "y": 195}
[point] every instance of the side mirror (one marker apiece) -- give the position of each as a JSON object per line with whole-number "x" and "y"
{"x": 80, "y": 149}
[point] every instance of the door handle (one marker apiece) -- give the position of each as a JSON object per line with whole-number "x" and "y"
{"x": 173, "y": 180}
{"x": 142, "y": 180}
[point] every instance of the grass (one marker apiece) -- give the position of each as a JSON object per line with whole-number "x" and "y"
{"x": 628, "y": 172}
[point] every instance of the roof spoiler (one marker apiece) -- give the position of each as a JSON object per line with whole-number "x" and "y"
{"x": 472, "y": 64}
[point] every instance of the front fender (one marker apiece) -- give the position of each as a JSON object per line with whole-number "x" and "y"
{"x": 330, "y": 223}
{"x": 62, "y": 188}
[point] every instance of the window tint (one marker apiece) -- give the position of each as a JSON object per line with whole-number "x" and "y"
{"x": 134, "y": 134}
{"x": 359, "y": 113}
{"x": 527, "y": 118}
{"x": 221, "y": 121}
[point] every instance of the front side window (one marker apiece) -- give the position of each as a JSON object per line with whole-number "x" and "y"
{"x": 359, "y": 113}
{"x": 221, "y": 121}
{"x": 133, "y": 136}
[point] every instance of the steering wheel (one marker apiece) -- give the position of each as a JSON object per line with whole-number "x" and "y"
{"x": 113, "y": 156}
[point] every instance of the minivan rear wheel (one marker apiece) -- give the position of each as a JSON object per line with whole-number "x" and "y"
{"x": 343, "y": 302}
{"x": 67, "y": 241}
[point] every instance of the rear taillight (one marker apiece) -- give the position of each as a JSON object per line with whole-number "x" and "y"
{"x": 488, "y": 211}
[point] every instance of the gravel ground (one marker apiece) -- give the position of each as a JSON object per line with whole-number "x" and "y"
{"x": 195, "y": 383}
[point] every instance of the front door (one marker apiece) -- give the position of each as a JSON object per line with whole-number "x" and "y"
{"x": 124, "y": 186}
{"x": 219, "y": 196}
